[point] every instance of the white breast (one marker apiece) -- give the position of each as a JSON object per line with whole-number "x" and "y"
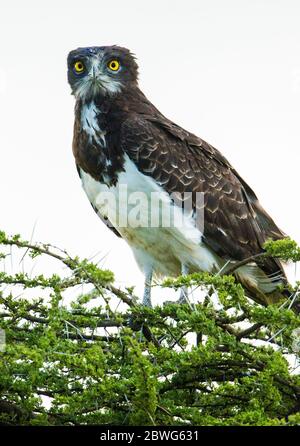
{"x": 90, "y": 124}
{"x": 139, "y": 207}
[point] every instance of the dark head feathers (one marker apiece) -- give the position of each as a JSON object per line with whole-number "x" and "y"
{"x": 128, "y": 73}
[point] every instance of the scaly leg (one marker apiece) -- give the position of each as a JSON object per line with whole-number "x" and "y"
{"x": 137, "y": 325}
{"x": 147, "y": 289}
{"x": 183, "y": 292}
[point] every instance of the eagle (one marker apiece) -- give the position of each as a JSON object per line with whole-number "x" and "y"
{"x": 124, "y": 146}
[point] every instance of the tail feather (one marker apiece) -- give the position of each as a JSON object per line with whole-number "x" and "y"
{"x": 261, "y": 285}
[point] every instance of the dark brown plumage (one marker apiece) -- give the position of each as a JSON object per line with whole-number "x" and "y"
{"x": 236, "y": 226}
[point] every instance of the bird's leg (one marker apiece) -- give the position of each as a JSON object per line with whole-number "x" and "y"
{"x": 183, "y": 297}
{"x": 133, "y": 323}
{"x": 147, "y": 289}
{"x": 183, "y": 291}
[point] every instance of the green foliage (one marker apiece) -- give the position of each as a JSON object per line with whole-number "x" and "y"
{"x": 285, "y": 249}
{"x": 77, "y": 361}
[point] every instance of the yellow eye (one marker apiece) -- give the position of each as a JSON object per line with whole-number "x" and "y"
{"x": 79, "y": 66}
{"x": 114, "y": 65}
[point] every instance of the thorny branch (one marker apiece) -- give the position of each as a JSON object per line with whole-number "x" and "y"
{"x": 92, "y": 366}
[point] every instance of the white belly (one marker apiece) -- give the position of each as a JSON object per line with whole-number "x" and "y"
{"x": 145, "y": 216}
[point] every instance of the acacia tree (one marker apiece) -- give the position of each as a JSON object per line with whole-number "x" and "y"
{"x": 73, "y": 357}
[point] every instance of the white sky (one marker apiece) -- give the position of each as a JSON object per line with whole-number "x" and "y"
{"x": 229, "y": 71}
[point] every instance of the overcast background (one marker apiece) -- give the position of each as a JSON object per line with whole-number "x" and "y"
{"x": 228, "y": 71}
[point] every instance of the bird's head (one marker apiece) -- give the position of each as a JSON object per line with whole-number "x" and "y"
{"x": 103, "y": 70}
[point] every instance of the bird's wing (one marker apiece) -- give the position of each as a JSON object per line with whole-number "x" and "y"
{"x": 105, "y": 220}
{"x": 235, "y": 224}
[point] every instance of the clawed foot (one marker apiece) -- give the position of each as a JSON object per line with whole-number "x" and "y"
{"x": 134, "y": 323}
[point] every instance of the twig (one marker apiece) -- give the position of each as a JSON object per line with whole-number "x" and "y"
{"x": 249, "y": 330}
{"x": 244, "y": 262}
